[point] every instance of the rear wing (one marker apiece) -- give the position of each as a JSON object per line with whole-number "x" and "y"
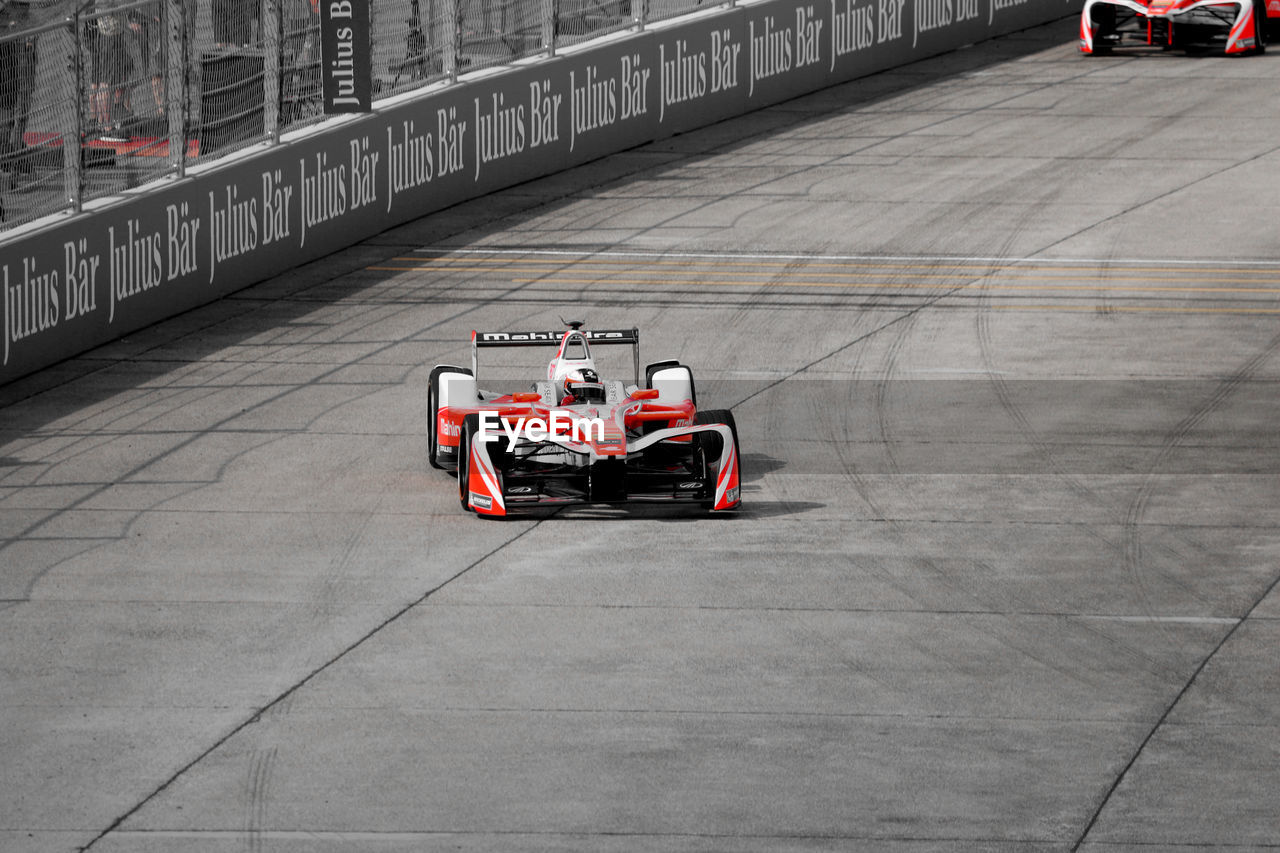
{"x": 552, "y": 339}
{"x": 596, "y": 337}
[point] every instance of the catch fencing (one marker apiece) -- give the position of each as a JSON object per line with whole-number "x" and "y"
{"x": 102, "y": 97}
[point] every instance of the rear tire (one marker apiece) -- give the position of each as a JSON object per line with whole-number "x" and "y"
{"x": 433, "y": 411}
{"x": 1260, "y": 27}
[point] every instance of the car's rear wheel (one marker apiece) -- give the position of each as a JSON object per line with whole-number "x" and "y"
{"x": 433, "y": 411}
{"x": 1259, "y": 27}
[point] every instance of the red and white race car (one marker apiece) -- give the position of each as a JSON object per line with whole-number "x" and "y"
{"x": 575, "y": 438}
{"x": 1233, "y": 26}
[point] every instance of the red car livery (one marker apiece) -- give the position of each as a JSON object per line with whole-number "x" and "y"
{"x": 1234, "y": 26}
{"x": 573, "y": 437}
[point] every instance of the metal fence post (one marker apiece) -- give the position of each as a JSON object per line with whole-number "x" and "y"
{"x": 175, "y": 83}
{"x": 453, "y": 40}
{"x": 73, "y": 120}
{"x": 549, "y": 26}
{"x": 272, "y": 39}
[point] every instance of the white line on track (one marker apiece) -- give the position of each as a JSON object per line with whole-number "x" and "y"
{"x": 1177, "y": 620}
{"x": 761, "y": 256}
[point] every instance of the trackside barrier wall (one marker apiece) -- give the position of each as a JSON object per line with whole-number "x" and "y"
{"x": 132, "y": 261}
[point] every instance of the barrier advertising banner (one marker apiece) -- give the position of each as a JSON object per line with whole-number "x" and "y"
{"x": 346, "y": 60}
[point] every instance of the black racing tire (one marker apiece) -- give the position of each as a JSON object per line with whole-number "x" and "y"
{"x": 433, "y": 407}
{"x": 1105, "y": 16}
{"x": 711, "y": 441}
{"x": 1259, "y": 27}
{"x": 470, "y": 426}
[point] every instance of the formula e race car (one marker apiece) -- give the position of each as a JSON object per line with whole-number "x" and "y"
{"x": 1233, "y": 26}
{"x": 576, "y": 438}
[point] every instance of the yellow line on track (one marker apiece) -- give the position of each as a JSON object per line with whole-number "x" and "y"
{"x": 925, "y": 276}
{"x": 715, "y": 264}
{"x": 1136, "y": 309}
{"x": 890, "y": 285}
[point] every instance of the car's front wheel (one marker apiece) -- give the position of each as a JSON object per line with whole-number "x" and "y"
{"x": 1104, "y": 37}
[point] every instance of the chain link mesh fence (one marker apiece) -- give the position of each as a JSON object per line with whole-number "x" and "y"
{"x": 661, "y": 10}
{"x": 580, "y": 20}
{"x": 100, "y": 96}
{"x": 38, "y": 113}
{"x": 228, "y": 76}
{"x": 301, "y": 98}
{"x": 494, "y": 32}
{"x": 410, "y": 42}
{"x": 123, "y": 124}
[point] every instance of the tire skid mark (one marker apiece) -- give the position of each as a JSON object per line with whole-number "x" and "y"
{"x": 995, "y": 378}
{"x": 1044, "y": 449}
{"x": 1186, "y": 688}
{"x": 261, "y": 763}
{"x": 286, "y": 697}
{"x": 1083, "y": 622}
{"x": 1133, "y": 550}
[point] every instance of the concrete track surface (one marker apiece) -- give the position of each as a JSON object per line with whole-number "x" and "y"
{"x": 1001, "y": 332}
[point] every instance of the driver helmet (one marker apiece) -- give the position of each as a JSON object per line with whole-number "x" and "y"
{"x": 582, "y": 385}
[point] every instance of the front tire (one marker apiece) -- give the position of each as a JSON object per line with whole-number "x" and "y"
{"x": 1105, "y": 16}
{"x": 1259, "y": 27}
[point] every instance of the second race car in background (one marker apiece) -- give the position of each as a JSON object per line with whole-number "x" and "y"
{"x": 1230, "y": 26}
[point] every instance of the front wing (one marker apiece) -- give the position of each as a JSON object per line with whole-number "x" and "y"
{"x": 500, "y": 478}
{"x": 1105, "y": 24}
